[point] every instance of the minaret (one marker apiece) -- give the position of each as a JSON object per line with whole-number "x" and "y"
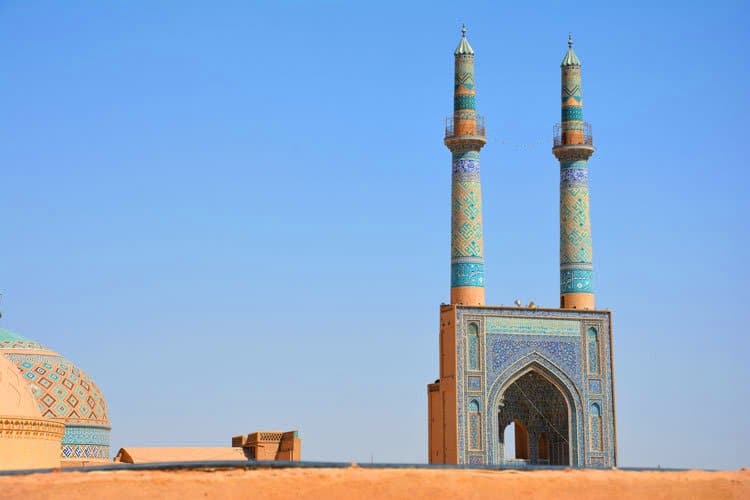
{"x": 573, "y": 146}
{"x": 464, "y": 136}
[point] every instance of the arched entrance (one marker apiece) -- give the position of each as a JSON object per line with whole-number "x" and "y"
{"x": 540, "y": 412}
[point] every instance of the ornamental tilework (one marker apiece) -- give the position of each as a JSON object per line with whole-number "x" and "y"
{"x": 593, "y": 350}
{"x": 551, "y": 344}
{"x": 475, "y": 431}
{"x": 465, "y": 169}
{"x": 572, "y": 113}
{"x": 464, "y": 101}
{"x": 81, "y": 434}
{"x": 575, "y": 226}
{"x": 473, "y": 351}
{"x": 574, "y": 176}
{"x": 595, "y": 423}
{"x": 467, "y": 264}
{"x": 467, "y": 274}
{"x": 564, "y": 351}
{"x": 595, "y": 386}
{"x": 466, "y": 227}
{"x": 474, "y": 383}
{"x": 84, "y": 452}
{"x": 62, "y": 391}
{"x": 576, "y": 280}
{"x": 10, "y": 340}
{"x": 576, "y": 255}
{"x": 76, "y": 398}
{"x": 464, "y": 75}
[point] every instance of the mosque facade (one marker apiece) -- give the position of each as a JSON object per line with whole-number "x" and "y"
{"x": 548, "y": 372}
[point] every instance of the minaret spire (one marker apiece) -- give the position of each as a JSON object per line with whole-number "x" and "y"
{"x": 573, "y": 146}
{"x": 464, "y": 136}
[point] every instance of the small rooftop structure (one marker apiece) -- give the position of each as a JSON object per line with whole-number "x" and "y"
{"x": 153, "y": 454}
{"x": 261, "y": 445}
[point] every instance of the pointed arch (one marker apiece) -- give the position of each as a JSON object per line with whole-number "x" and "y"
{"x": 543, "y": 448}
{"x": 473, "y": 348}
{"x": 595, "y": 423}
{"x": 592, "y": 350}
{"x": 554, "y": 375}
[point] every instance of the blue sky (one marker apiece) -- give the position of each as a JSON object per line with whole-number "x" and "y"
{"x": 235, "y": 215}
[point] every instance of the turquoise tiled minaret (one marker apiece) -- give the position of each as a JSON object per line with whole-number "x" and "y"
{"x": 573, "y": 146}
{"x": 465, "y": 136}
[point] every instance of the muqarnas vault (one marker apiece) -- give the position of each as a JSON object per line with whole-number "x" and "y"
{"x": 546, "y": 372}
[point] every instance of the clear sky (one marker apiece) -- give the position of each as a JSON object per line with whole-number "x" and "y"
{"x": 235, "y": 216}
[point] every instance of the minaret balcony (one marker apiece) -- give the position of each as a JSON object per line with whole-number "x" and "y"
{"x": 572, "y": 141}
{"x": 572, "y": 133}
{"x": 457, "y": 126}
{"x": 466, "y": 131}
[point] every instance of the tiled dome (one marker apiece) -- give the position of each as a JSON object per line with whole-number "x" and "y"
{"x": 62, "y": 391}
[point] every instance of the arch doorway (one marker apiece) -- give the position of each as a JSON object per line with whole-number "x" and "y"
{"x": 538, "y": 414}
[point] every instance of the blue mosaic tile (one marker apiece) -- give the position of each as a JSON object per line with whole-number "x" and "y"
{"x": 82, "y": 434}
{"x": 595, "y": 386}
{"x": 464, "y": 101}
{"x": 576, "y": 280}
{"x": 467, "y": 274}
{"x": 505, "y": 351}
{"x": 572, "y": 113}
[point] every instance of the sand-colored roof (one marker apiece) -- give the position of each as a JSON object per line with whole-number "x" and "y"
{"x": 152, "y": 454}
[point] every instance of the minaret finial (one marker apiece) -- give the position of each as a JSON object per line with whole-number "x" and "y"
{"x": 570, "y": 40}
{"x": 463, "y": 30}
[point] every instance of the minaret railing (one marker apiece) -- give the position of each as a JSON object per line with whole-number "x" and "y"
{"x": 458, "y": 126}
{"x": 565, "y": 134}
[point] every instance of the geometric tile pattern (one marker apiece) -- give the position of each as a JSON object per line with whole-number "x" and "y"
{"x": 595, "y": 427}
{"x": 62, "y": 390}
{"x": 593, "y": 350}
{"x": 576, "y": 255}
{"x": 474, "y": 383}
{"x": 575, "y": 226}
{"x": 466, "y": 230}
{"x": 576, "y": 280}
{"x": 564, "y": 351}
{"x": 77, "y": 452}
{"x": 595, "y": 386}
{"x": 10, "y": 340}
{"x": 473, "y": 347}
{"x": 475, "y": 432}
{"x": 464, "y": 102}
{"x": 467, "y": 261}
{"x": 80, "y": 434}
{"x": 464, "y": 75}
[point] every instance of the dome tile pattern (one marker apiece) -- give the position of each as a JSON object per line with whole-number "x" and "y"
{"x": 61, "y": 389}
{"x": 10, "y": 340}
